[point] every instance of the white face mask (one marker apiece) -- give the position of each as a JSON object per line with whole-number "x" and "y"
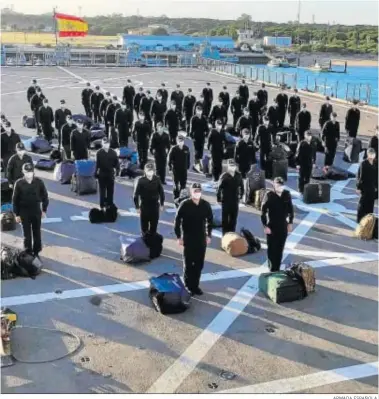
{"x": 218, "y": 128}
{"x": 199, "y": 113}
{"x": 196, "y": 196}
{"x": 246, "y": 137}
{"x": 246, "y": 114}
{"x": 173, "y": 106}
{"x": 106, "y": 146}
{"x": 69, "y": 122}
{"x": 159, "y": 98}
{"x": 150, "y": 175}
{"x": 304, "y": 109}
{"x": 63, "y": 107}
{"x": 160, "y": 130}
{"x": 21, "y": 153}
{"x": 80, "y": 128}
{"x": 45, "y": 105}
{"x": 232, "y": 169}
{"x": 123, "y": 107}
{"x": 29, "y": 176}
{"x": 180, "y": 144}
{"x": 201, "y": 100}
{"x": 225, "y": 90}
{"x": 142, "y": 118}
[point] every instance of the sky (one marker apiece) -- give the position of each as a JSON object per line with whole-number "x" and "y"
{"x": 324, "y": 11}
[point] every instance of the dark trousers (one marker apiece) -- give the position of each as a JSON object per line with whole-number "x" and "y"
{"x": 305, "y": 174}
{"x": 106, "y": 190}
{"x": 275, "y": 247}
{"x": 365, "y": 206}
{"x": 292, "y": 120}
{"x": 31, "y": 226}
{"x": 180, "y": 182}
{"x": 229, "y": 217}
{"x": 96, "y": 115}
{"x": 149, "y": 218}
{"x": 123, "y": 136}
{"x": 235, "y": 119}
{"x": 142, "y": 156}
{"x": 160, "y": 164}
{"x": 87, "y": 110}
{"x": 193, "y": 257}
{"x": 330, "y": 153}
{"x": 300, "y": 135}
{"x": 67, "y": 151}
{"x": 281, "y": 116}
{"x": 36, "y": 117}
{"x": 216, "y": 168}
{"x": 173, "y": 135}
{"x": 263, "y": 157}
{"x": 47, "y": 131}
{"x": 207, "y": 106}
{"x": 188, "y": 122}
{"x": 244, "y": 168}
{"x": 353, "y": 133}
{"x": 199, "y": 149}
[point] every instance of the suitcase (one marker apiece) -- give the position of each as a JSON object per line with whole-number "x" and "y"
{"x": 316, "y": 193}
{"x": 259, "y": 196}
{"x": 88, "y": 122}
{"x": 29, "y": 122}
{"x": 6, "y": 191}
{"x": 234, "y": 245}
{"x": 280, "y": 169}
{"x": 168, "y": 294}
{"x": 125, "y": 152}
{"x": 278, "y": 153}
{"x": 255, "y": 180}
{"x": 96, "y": 134}
{"x": 82, "y": 185}
{"x": 229, "y": 150}
{"x": 353, "y": 147}
{"x": 85, "y": 167}
{"x": 45, "y": 164}
{"x": 155, "y": 244}
{"x": 134, "y": 251}
{"x": 280, "y": 287}
{"x": 366, "y": 227}
{"x": 8, "y": 221}
{"x": 64, "y": 171}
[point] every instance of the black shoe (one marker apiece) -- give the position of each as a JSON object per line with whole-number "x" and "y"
{"x": 198, "y": 291}
{"x": 189, "y": 291}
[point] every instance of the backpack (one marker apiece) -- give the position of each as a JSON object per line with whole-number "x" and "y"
{"x": 29, "y": 122}
{"x": 234, "y": 245}
{"x": 128, "y": 169}
{"x": 155, "y": 244}
{"x": 27, "y": 265}
{"x": 8, "y": 221}
{"x": 253, "y": 242}
{"x": 278, "y": 153}
{"x": 307, "y": 274}
{"x": 168, "y": 294}
{"x": 56, "y": 155}
{"x": 365, "y": 228}
{"x": 259, "y": 196}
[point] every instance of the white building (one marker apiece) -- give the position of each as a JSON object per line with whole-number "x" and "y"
{"x": 247, "y": 36}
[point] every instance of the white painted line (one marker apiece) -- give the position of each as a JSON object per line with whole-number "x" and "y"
{"x": 173, "y": 377}
{"x": 51, "y": 220}
{"x": 79, "y": 218}
{"x": 45, "y": 88}
{"x": 216, "y": 233}
{"x": 309, "y": 381}
{"x": 346, "y": 221}
{"x": 207, "y": 277}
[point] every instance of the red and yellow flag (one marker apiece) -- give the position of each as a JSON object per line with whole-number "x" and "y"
{"x": 70, "y": 26}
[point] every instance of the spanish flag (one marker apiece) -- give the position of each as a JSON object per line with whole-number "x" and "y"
{"x": 70, "y": 26}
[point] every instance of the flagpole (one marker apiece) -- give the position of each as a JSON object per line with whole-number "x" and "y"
{"x": 55, "y": 27}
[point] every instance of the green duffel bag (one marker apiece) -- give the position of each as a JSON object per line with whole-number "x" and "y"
{"x": 281, "y": 287}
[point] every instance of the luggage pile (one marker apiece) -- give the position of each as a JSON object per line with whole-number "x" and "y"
{"x": 292, "y": 284}
{"x": 168, "y": 294}
{"x": 37, "y": 144}
{"x": 83, "y": 180}
{"x": 17, "y": 263}
{"x": 141, "y": 249}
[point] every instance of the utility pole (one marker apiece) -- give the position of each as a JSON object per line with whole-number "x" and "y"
{"x": 55, "y": 26}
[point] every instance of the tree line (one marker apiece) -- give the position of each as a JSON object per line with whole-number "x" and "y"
{"x": 306, "y": 37}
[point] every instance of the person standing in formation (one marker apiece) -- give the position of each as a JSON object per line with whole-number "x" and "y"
{"x": 245, "y": 122}
{"x": 262, "y": 96}
{"x": 80, "y": 141}
{"x": 31, "y": 90}
{"x": 326, "y": 111}
{"x": 303, "y": 122}
{"x": 374, "y": 142}
{"x": 179, "y": 163}
{"x": 162, "y": 92}
{"x": 159, "y": 147}
{"x": 107, "y": 168}
{"x": 178, "y": 97}
{"x": 254, "y": 110}
{"x": 60, "y": 117}
{"x": 35, "y": 104}
{"x": 95, "y": 101}
{"x": 123, "y": 121}
{"x": 103, "y": 108}
{"x": 172, "y": 121}
{"x": 141, "y": 136}
{"x": 367, "y": 185}
{"x": 46, "y": 118}
{"x": 30, "y": 201}
{"x": 353, "y": 117}
{"x": 146, "y": 105}
{"x": 230, "y": 191}
{"x": 16, "y": 163}
{"x": 293, "y": 107}
{"x": 110, "y": 112}
{"x": 128, "y": 94}
{"x": 148, "y": 198}
{"x": 199, "y": 130}
{"x": 305, "y": 159}
{"x": 193, "y": 229}
{"x": 330, "y": 137}
{"x": 9, "y": 140}
{"x": 244, "y": 93}
{"x": 137, "y": 100}
{"x": 277, "y": 219}
{"x": 86, "y": 100}
{"x": 244, "y": 155}
{"x": 236, "y": 107}
{"x": 158, "y": 108}
{"x": 273, "y": 119}
{"x": 218, "y": 113}
{"x": 264, "y": 143}
{"x": 188, "y": 107}
{"x": 208, "y": 99}
{"x": 65, "y": 136}
{"x": 216, "y": 146}
{"x": 225, "y": 97}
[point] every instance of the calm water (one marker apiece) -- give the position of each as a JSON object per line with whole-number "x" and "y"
{"x": 353, "y": 84}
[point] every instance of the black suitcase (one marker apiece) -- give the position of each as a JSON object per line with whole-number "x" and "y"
{"x": 316, "y": 193}
{"x": 280, "y": 169}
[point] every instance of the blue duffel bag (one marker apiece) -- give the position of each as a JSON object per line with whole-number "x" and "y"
{"x": 85, "y": 167}
{"x": 45, "y": 164}
{"x": 168, "y": 294}
{"x": 38, "y": 145}
{"x": 125, "y": 152}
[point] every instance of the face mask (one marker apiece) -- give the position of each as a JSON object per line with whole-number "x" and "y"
{"x": 141, "y": 118}
{"x": 8, "y": 131}
{"x": 97, "y": 90}
{"x": 21, "y": 153}
{"x": 149, "y": 175}
{"x": 218, "y": 128}
{"x": 304, "y": 109}
{"x": 45, "y": 105}
{"x": 173, "y": 106}
{"x": 80, "y": 128}
{"x": 29, "y": 176}
{"x": 123, "y": 107}
{"x": 159, "y": 98}
{"x": 246, "y": 137}
{"x": 63, "y": 107}
{"x": 69, "y": 123}
{"x": 180, "y": 144}
{"x": 225, "y": 90}
{"x": 199, "y": 113}
{"x": 39, "y": 93}
{"x": 106, "y": 146}
{"x": 246, "y": 114}
{"x": 196, "y": 196}
{"x": 201, "y": 100}
{"x": 232, "y": 169}
{"x": 160, "y": 130}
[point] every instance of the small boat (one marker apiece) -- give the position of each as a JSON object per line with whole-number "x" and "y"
{"x": 319, "y": 68}
{"x": 274, "y": 63}
{"x": 279, "y": 63}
